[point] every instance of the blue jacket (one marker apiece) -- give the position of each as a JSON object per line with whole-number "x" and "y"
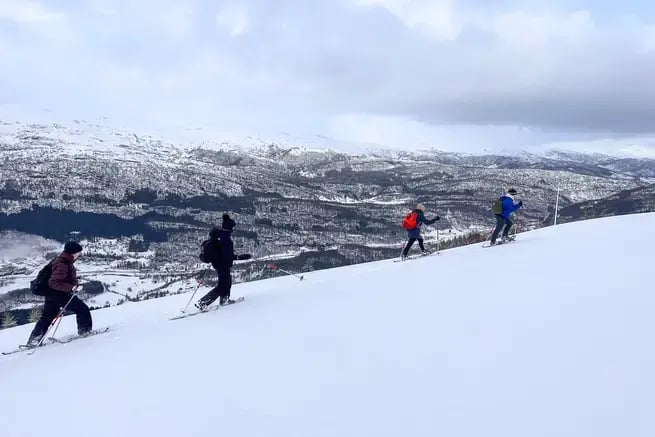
{"x": 416, "y": 232}
{"x": 508, "y": 206}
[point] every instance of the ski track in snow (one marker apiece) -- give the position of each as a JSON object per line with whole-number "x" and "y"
{"x": 549, "y": 337}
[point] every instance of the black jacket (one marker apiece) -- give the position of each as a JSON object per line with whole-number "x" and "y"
{"x": 224, "y": 249}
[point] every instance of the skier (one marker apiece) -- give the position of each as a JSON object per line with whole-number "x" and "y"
{"x": 63, "y": 280}
{"x": 414, "y": 233}
{"x": 223, "y": 256}
{"x": 507, "y": 208}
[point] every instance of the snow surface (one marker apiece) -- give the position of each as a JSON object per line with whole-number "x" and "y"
{"x": 549, "y": 336}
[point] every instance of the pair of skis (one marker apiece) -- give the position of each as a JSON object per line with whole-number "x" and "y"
{"x": 499, "y": 243}
{"x": 485, "y": 244}
{"x": 420, "y": 255}
{"x": 183, "y": 314}
{"x": 52, "y": 340}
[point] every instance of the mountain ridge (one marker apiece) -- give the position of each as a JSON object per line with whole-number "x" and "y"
{"x": 323, "y": 206}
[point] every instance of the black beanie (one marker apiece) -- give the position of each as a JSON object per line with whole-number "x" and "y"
{"x": 228, "y": 223}
{"x": 72, "y": 247}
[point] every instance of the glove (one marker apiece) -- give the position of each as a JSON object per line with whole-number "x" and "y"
{"x": 520, "y": 203}
{"x": 244, "y": 257}
{"x": 437, "y": 219}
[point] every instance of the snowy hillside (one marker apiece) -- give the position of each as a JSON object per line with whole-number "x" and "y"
{"x": 143, "y": 201}
{"x": 549, "y": 336}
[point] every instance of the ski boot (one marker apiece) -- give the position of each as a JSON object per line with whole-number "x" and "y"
{"x": 84, "y": 332}
{"x": 225, "y": 301}
{"x": 202, "y": 306}
{"x": 33, "y": 341}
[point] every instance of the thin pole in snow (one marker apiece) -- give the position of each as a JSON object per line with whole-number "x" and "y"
{"x": 557, "y": 202}
{"x": 275, "y": 267}
{"x": 200, "y": 279}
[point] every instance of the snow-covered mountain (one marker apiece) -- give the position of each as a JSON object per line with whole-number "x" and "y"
{"x": 142, "y": 204}
{"x": 547, "y": 336}
{"x": 631, "y": 201}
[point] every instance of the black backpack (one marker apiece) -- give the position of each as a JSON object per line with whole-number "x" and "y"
{"x": 39, "y": 285}
{"x": 209, "y": 251}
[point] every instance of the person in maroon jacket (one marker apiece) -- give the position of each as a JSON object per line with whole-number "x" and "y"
{"x": 61, "y": 283}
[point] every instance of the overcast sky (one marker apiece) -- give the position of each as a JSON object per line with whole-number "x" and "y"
{"x": 455, "y": 75}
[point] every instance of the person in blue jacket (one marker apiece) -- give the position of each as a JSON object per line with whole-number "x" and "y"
{"x": 503, "y": 219}
{"x": 414, "y": 235}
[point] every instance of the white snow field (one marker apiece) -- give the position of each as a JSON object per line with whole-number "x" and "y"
{"x": 551, "y": 336}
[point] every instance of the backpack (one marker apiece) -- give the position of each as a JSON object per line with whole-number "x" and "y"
{"x": 39, "y": 285}
{"x": 497, "y": 206}
{"x": 410, "y": 220}
{"x": 209, "y": 252}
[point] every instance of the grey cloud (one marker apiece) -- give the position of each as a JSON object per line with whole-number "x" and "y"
{"x": 604, "y": 87}
{"x": 603, "y": 114}
{"x": 303, "y": 60}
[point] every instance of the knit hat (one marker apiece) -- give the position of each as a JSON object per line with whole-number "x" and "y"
{"x": 421, "y": 207}
{"x": 72, "y": 247}
{"x": 511, "y": 191}
{"x": 228, "y": 223}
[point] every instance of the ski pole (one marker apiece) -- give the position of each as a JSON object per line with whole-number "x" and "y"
{"x": 62, "y": 312}
{"x": 301, "y": 277}
{"x": 274, "y": 267}
{"x": 194, "y": 293}
{"x": 402, "y": 249}
{"x": 437, "y": 238}
{"x": 57, "y": 321}
{"x": 488, "y": 239}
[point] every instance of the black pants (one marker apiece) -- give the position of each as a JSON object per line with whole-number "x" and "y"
{"x": 410, "y": 243}
{"x": 222, "y": 289}
{"x": 55, "y": 301}
{"x": 500, "y": 222}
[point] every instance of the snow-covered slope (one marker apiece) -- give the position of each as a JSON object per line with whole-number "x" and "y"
{"x": 549, "y": 336}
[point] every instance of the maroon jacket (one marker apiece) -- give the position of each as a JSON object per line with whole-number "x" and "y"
{"x": 64, "y": 275}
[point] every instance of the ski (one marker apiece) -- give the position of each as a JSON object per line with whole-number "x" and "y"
{"x": 25, "y": 348}
{"x": 21, "y": 348}
{"x": 500, "y": 243}
{"x": 78, "y": 337}
{"x": 193, "y": 313}
{"x": 206, "y": 310}
{"x": 52, "y": 340}
{"x": 411, "y": 257}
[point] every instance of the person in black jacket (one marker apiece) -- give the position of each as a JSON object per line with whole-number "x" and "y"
{"x": 223, "y": 258}
{"x": 63, "y": 280}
